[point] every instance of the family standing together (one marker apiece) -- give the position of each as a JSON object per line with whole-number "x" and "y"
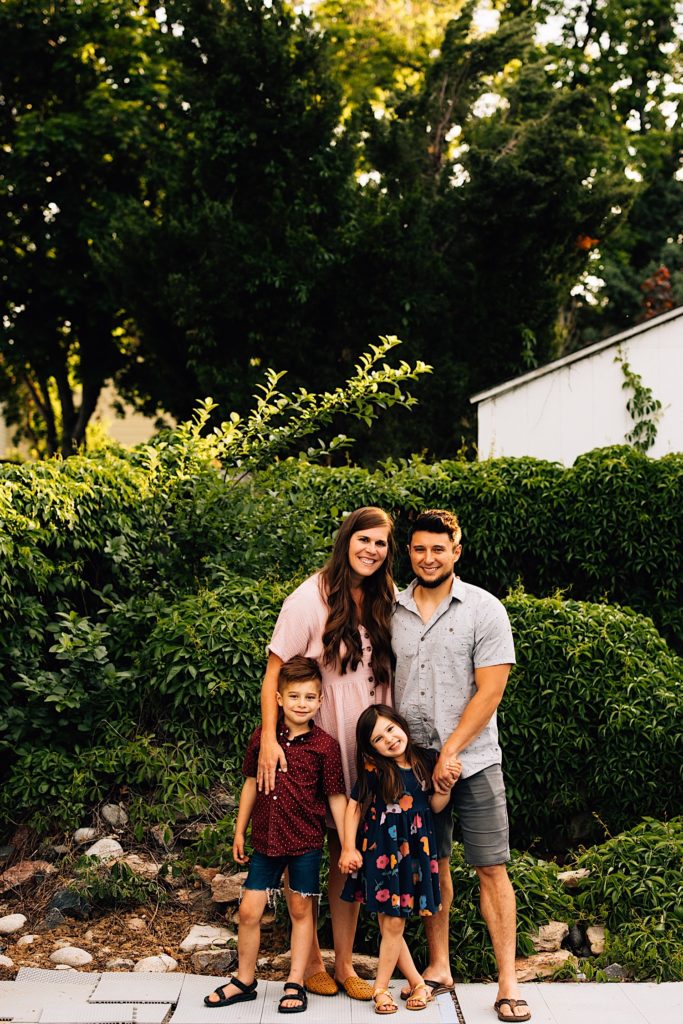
{"x": 378, "y": 724}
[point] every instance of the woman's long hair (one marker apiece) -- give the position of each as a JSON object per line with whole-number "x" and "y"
{"x": 389, "y": 782}
{"x": 342, "y": 644}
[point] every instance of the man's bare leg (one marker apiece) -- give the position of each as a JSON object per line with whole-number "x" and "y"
{"x": 499, "y": 910}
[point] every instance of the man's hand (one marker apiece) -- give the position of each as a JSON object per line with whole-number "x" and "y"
{"x": 238, "y": 853}
{"x": 351, "y": 860}
{"x": 446, "y": 771}
{"x": 271, "y": 757}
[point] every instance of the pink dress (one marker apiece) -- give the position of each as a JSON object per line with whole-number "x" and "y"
{"x": 299, "y": 630}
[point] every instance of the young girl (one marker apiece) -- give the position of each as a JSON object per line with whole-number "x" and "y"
{"x": 395, "y": 872}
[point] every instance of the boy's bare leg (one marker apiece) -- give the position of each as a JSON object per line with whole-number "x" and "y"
{"x": 303, "y": 932}
{"x": 248, "y": 940}
{"x": 437, "y": 931}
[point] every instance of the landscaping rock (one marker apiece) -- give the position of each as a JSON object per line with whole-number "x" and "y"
{"x": 542, "y": 965}
{"x": 163, "y": 835}
{"x": 217, "y": 962}
{"x": 202, "y": 936}
{"x": 105, "y": 849}
{"x": 53, "y": 918}
{"x": 571, "y": 879}
{"x": 23, "y": 872}
{"x": 72, "y": 956}
{"x": 70, "y": 904}
{"x": 207, "y": 875}
{"x": 5, "y": 853}
{"x": 139, "y": 866}
{"x": 595, "y": 934}
{"x": 12, "y": 923}
{"x": 119, "y": 963}
{"x": 26, "y": 940}
{"x": 550, "y": 936}
{"x": 6, "y": 961}
{"x": 115, "y": 815}
{"x": 615, "y": 972}
{"x": 366, "y": 966}
{"x": 84, "y": 835}
{"x": 227, "y": 888}
{"x": 161, "y": 964}
{"x": 136, "y": 924}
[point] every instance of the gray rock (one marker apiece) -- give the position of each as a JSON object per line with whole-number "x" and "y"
{"x": 550, "y": 936}
{"x": 72, "y": 956}
{"x": 70, "y": 904}
{"x": 105, "y": 849}
{"x": 615, "y": 972}
{"x": 12, "y": 923}
{"x": 5, "y": 853}
{"x": 202, "y": 936}
{"x": 84, "y": 835}
{"x": 53, "y": 918}
{"x": 115, "y": 815}
{"x": 157, "y": 964}
{"x": 217, "y": 962}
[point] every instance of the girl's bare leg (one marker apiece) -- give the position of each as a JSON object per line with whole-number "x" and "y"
{"x": 344, "y": 915}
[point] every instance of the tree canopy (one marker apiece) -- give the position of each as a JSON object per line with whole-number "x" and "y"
{"x": 200, "y": 190}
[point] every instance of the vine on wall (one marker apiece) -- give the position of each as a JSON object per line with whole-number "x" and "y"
{"x": 644, "y": 409}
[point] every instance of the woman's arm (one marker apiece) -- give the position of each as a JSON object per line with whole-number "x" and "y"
{"x": 351, "y": 858}
{"x": 271, "y": 753}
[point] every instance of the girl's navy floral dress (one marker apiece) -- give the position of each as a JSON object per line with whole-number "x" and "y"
{"x": 400, "y": 873}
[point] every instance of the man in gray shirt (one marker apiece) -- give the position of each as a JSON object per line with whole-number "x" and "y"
{"x": 454, "y": 648}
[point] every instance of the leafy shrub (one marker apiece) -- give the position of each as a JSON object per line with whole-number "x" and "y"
{"x": 114, "y": 886}
{"x": 593, "y": 704}
{"x": 635, "y": 888}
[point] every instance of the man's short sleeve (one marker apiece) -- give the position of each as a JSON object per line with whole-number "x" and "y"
{"x": 297, "y": 622}
{"x": 493, "y": 643}
{"x": 250, "y": 763}
{"x": 333, "y": 776}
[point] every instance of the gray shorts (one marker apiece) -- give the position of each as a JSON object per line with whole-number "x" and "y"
{"x": 479, "y": 801}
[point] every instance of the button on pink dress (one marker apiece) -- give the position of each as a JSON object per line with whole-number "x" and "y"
{"x": 299, "y": 630}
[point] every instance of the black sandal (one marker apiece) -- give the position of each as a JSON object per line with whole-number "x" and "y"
{"x": 299, "y": 995}
{"x": 245, "y": 995}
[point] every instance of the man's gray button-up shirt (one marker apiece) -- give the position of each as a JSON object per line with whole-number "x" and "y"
{"x": 435, "y": 663}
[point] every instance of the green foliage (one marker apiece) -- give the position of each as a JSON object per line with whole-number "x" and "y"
{"x": 114, "y": 886}
{"x": 593, "y": 703}
{"x": 635, "y": 888}
{"x": 643, "y": 408}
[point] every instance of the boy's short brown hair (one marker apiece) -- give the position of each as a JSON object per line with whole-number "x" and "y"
{"x": 299, "y": 670}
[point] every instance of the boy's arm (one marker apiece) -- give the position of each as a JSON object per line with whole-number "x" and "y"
{"x": 351, "y": 858}
{"x": 244, "y": 812}
{"x": 338, "y": 804}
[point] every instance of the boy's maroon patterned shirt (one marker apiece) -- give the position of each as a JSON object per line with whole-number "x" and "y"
{"x": 290, "y": 820}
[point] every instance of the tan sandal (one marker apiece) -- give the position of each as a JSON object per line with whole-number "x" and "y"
{"x": 415, "y": 1002}
{"x": 388, "y": 1006}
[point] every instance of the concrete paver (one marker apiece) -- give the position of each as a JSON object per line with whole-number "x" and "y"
{"x": 56, "y": 997}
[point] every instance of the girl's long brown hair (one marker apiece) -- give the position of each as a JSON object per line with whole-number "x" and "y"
{"x": 342, "y": 644}
{"x": 388, "y": 774}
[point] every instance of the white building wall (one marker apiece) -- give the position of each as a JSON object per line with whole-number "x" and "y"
{"x": 578, "y": 403}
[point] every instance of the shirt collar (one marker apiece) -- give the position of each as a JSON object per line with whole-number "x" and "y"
{"x": 407, "y": 597}
{"x": 283, "y": 731}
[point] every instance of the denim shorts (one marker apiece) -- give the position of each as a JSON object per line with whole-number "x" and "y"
{"x": 265, "y": 873}
{"x": 479, "y": 801}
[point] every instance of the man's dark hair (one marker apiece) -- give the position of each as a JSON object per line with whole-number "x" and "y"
{"x": 299, "y": 670}
{"x": 436, "y": 520}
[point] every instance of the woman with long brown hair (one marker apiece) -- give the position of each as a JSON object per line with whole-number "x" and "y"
{"x": 341, "y": 617}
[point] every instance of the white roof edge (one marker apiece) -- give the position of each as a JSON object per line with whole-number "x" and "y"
{"x": 573, "y": 357}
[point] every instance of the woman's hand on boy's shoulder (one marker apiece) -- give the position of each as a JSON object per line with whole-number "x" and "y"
{"x": 238, "y": 849}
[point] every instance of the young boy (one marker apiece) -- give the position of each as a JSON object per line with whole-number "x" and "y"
{"x": 287, "y": 831}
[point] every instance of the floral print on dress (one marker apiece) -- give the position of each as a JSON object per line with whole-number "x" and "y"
{"x": 400, "y": 873}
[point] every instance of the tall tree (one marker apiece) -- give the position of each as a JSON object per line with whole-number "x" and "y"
{"x": 82, "y": 93}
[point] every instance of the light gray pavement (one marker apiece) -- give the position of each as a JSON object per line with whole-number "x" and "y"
{"x": 72, "y": 997}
